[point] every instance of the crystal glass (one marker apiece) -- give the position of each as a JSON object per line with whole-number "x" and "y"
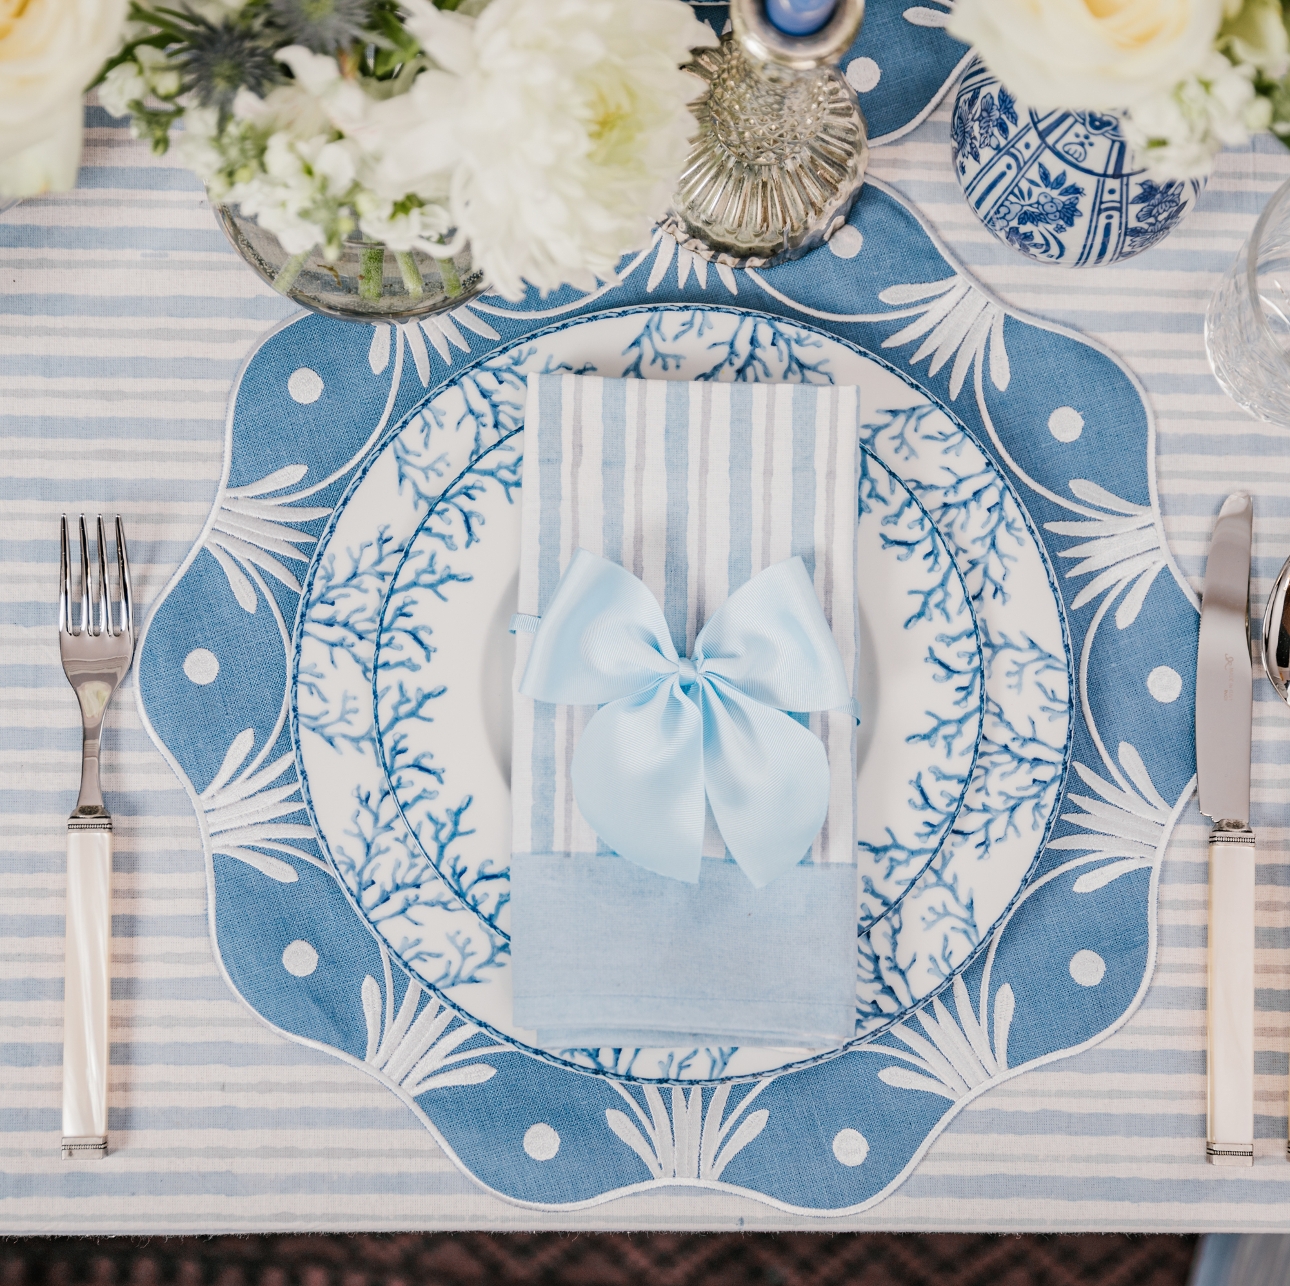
{"x": 1247, "y": 326}
{"x": 369, "y": 282}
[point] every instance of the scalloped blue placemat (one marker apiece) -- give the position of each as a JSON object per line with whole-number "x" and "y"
{"x": 1069, "y": 427}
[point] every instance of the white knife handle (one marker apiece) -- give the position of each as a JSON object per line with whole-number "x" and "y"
{"x": 87, "y": 974}
{"x": 1230, "y": 1133}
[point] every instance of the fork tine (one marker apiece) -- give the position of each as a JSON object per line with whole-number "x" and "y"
{"x": 64, "y": 579}
{"x": 85, "y": 582}
{"x": 105, "y": 609}
{"x": 123, "y": 573}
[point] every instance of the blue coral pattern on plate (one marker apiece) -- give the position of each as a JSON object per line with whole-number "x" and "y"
{"x": 439, "y": 673}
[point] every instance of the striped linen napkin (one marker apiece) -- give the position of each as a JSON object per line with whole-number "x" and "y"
{"x": 695, "y": 488}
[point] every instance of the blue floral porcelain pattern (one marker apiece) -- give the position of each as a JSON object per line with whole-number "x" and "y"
{"x": 1058, "y": 186}
{"x": 1072, "y": 439}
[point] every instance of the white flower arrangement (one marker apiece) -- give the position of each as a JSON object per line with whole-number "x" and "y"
{"x": 546, "y": 134}
{"x": 1187, "y": 77}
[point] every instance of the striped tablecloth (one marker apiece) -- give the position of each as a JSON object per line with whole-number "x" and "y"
{"x": 124, "y": 317}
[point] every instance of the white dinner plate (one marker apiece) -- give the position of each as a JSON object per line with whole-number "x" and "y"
{"x": 964, "y": 704}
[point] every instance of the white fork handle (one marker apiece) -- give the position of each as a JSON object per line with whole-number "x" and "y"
{"x": 87, "y": 973}
{"x": 1230, "y": 1136}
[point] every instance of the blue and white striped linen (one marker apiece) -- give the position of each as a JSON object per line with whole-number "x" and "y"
{"x": 123, "y": 318}
{"x": 694, "y": 488}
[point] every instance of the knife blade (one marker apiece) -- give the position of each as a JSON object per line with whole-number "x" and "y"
{"x": 1224, "y": 712}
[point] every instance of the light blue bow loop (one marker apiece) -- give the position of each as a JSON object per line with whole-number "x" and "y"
{"x": 673, "y": 729}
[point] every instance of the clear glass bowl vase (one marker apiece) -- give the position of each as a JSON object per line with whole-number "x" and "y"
{"x": 368, "y": 282}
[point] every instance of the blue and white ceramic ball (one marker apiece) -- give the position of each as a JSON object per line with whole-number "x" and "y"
{"x": 1062, "y": 187}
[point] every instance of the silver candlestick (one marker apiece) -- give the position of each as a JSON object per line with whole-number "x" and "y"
{"x": 782, "y": 145}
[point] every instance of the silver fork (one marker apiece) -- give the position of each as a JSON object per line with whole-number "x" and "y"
{"x": 96, "y": 651}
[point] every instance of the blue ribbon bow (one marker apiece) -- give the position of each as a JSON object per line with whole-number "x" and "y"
{"x": 673, "y": 730}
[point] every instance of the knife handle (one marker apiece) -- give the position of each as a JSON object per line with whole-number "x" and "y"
{"x": 1230, "y": 1131}
{"x": 86, "y": 988}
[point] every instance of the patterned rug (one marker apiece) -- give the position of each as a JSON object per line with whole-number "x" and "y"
{"x": 553, "y": 1259}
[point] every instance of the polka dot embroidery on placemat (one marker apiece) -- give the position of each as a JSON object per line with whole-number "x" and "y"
{"x": 1087, "y": 968}
{"x": 201, "y": 666}
{"x": 1165, "y": 684}
{"x": 300, "y": 958}
{"x": 305, "y": 385}
{"x": 846, "y": 242}
{"x": 541, "y": 1142}
{"x": 1066, "y": 424}
{"x": 850, "y": 1147}
{"x": 863, "y": 74}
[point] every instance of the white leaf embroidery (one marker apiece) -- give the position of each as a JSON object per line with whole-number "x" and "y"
{"x": 952, "y": 1056}
{"x": 921, "y": 16}
{"x": 417, "y": 347}
{"x": 1122, "y": 545}
{"x": 959, "y": 321}
{"x": 378, "y": 355}
{"x": 1126, "y": 821}
{"x": 418, "y": 1052}
{"x": 244, "y": 812}
{"x": 687, "y": 1142}
{"x": 251, "y": 531}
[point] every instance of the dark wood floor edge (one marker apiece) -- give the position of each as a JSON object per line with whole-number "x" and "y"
{"x": 169, "y": 1234}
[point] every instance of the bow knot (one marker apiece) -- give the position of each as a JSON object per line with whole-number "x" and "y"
{"x": 676, "y": 735}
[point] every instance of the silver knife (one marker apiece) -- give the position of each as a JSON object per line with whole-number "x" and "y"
{"x": 1224, "y": 705}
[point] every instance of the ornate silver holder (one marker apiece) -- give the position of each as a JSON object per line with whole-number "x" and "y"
{"x": 782, "y": 145}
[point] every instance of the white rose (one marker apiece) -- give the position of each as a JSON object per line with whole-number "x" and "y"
{"x": 1101, "y": 54}
{"x": 50, "y": 50}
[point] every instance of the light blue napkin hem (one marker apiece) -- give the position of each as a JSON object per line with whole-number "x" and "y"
{"x": 726, "y": 963}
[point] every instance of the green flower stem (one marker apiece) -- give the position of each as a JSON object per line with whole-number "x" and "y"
{"x": 412, "y": 279}
{"x": 370, "y": 277}
{"x": 289, "y": 271}
{"x": 451, "y": 281}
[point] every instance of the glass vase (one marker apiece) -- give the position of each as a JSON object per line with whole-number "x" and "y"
{"x": 368, "y": 282}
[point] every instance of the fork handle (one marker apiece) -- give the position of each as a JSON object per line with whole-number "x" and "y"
{"x": 86, "y": 988}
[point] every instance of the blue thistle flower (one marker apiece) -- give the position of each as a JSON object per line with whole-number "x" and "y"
{"x": 217, "y": 61}
{"x": 324, "y": 26}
